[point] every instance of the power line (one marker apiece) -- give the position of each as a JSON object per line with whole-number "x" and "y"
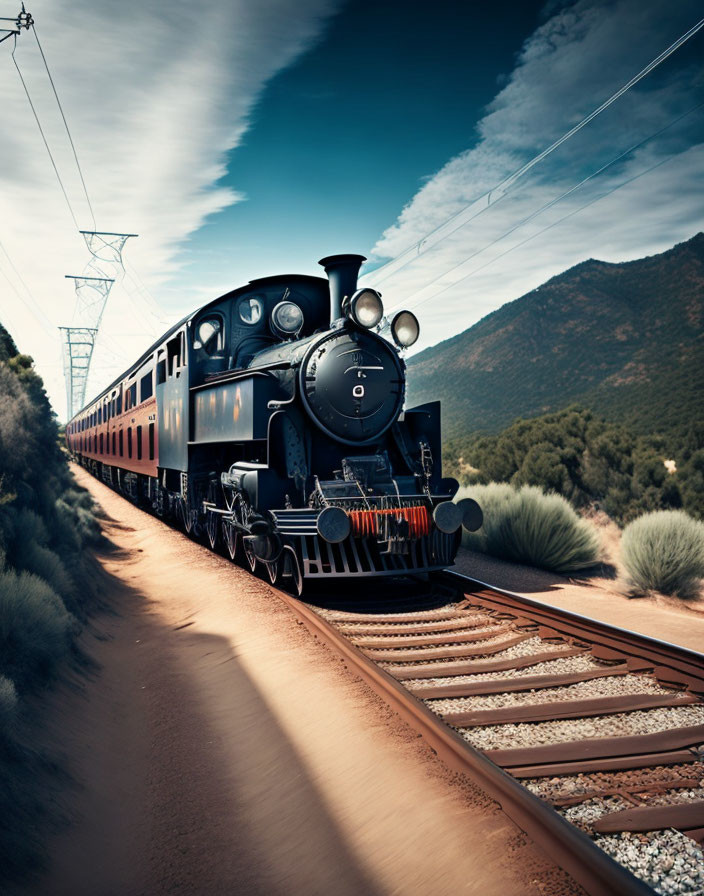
{"x": 548, "y": 205}
{"x": 41, "y": 131}
{"x": 548, "y": 227}
{"x": 149, "y": 299}
{"x": 37, "y": 310}
{"x": 34, "y": 308}
{"x": 68, "y": 132}
{"x": 507, "y": 182}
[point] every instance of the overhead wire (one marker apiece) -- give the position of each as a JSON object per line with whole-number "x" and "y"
{"x": 392, "y": 267}
{"x": 34, "y": 307}
{"x": 41, "y": 131}
{"x": 545, "y": 207}
{"x": 63, "y": 117}
{"x": 134, "y": 277}
{"x": 71, "y": 142}
{"x": 533, "y": 236}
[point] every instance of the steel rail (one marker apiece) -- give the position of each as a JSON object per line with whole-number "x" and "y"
{"x": 689, "y": 663}
{"x": 565, "y": 844}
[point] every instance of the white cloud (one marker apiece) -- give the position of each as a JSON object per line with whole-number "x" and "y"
{"x": 572, "y": 63}
{"x": 155, "y": 97}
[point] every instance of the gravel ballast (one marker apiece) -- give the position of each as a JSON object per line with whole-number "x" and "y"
{"x": 398, "y": 628}
{"x": 487, "y": 635}
{"x": 629, "y": 780}
{"x": 668, "y": 861}
{"x": 446, "y": 611}
{"x": 673, "y": 797}
{"x": 500, "y": 737}
{"x": 583, "y": 815}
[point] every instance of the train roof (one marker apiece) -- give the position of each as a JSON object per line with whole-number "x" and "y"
{"x": 276, "y": 278}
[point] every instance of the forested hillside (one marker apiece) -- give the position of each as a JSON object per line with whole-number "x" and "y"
{"x": 625, "y": 340}
{"x": 590, "y": 461}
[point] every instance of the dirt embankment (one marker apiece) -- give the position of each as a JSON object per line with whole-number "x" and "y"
{"x": 220, "y": 749}
{"x": 667, "y": 618}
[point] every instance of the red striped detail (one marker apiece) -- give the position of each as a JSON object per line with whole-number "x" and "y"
{"x": 369, "y": 522}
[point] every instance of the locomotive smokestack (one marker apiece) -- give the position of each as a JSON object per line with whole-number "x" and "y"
{"x": 342, "y": 271}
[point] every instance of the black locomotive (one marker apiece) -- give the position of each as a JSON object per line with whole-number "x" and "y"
{"x": 272, "y": 418}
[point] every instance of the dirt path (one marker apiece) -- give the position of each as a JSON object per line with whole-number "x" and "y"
{"x": 221, "y": 750}
{"x": 667, "y": 618}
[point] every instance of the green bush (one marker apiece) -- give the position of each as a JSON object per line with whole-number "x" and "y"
{"x": 35, "y": 628}
{"x": 664, "y": 551}
{"x": 491, "y": 498}
{"x": 8, "y": 704}
{"x": 528, "y": 526}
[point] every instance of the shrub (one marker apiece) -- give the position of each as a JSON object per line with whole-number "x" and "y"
{"x": 528, "y": 526}
{"x": 491, "y": 498}
{"x": 35, "y": 628}
{"x": 8, "y": 704}
{"x": 664, "y": 551}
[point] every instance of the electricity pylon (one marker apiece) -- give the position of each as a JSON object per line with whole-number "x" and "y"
{"x": 78, "y": 351}
{"x": 92, "y": 291}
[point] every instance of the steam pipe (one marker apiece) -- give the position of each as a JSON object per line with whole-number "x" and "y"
{"x": 342, "y": 271}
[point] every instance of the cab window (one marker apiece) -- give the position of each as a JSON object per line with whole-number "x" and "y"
{"x": 209, "y": 336}
{"x": 250, "y": 310}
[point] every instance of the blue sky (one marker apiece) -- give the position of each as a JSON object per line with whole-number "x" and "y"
{"x": 242, "y": 139}
{"x": 344, "y": 137}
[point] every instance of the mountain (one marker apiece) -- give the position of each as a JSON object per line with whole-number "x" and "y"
{"x": 625, "y": 340}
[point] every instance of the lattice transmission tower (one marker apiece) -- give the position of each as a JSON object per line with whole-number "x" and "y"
{"x": 92, "y": 291}
{"x": 78, "y": 343}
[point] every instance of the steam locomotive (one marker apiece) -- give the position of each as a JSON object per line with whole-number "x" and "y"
{"x": 271, "y": 420}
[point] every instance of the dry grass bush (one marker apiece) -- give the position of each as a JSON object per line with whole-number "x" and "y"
{"x": 32, "y": 554}
{"x": 8, "y": 703}
{"x": 526, "y": 525}
{"x": 35, "y": 629}
{"x": 664, "y": 551}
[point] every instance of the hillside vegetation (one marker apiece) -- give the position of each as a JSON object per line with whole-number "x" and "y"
{"x": 45, "y": 592}
{"x": 589, "y": 461}
{"x": 625, "y": 340}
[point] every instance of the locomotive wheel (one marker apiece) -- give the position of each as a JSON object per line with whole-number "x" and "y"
{"x": 250, "y": 556}
{"x": 190, "y": 522}
{"x": 196, "y": 528}
{"x": 212, "y": 528}
{"x": 231, "y": 537}
{"x": 291, "y": 568}
{"x": 184, "y": 516}
{"x": 273, "y": 569}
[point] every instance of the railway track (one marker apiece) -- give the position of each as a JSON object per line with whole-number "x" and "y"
{"x": 590, "y": 737}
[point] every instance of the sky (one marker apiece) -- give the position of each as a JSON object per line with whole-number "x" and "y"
{"x": 240, "y": 140}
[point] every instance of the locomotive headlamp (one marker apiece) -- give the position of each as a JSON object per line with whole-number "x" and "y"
{"x": 365, "y": 308}
{"x": 287, "y": 318}
{"x": 405, "y": 328}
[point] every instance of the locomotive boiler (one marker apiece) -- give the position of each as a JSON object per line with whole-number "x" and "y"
{"x": 272, "y": 420}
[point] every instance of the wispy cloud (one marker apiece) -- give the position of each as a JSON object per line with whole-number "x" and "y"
{"x": 574, "y": 61}
{"x": 155, "y": 97}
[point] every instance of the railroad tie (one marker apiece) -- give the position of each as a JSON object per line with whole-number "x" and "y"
{"x": 567, "y": 709}
{"x": 684, "y": 816}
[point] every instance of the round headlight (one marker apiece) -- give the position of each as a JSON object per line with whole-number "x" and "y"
{"x": 405, "y": 328}
{"x": 287, "y": 318}
{"x": 366, "y": 308}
